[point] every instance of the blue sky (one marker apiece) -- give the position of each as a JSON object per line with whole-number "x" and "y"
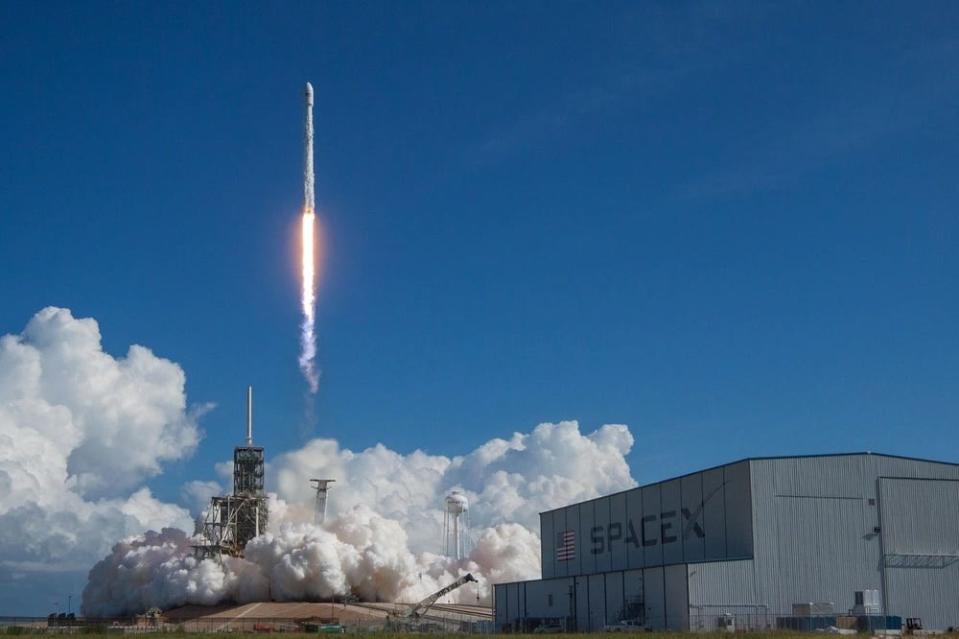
{"x": 731, "y": 226}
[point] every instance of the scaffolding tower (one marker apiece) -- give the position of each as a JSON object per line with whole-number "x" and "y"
{"x": 233, "y": 520}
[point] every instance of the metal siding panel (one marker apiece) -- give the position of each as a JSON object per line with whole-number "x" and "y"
{"x": 501, "y": 606}
{"x": 538, "y": 599}
{"x": 739, "y": 518}
{"x": 726, "y": 586}
{"x": 601, "y": 551}
{"x": 582, "y": 603}
{"x": 522, "y": 600}
{"x": 537, "y": 603}
{"x": 920, "y": 516}
{"x": 820, "y": 550}
{"x": 584, "y": 547}
{"x": 634, "y": 507}
{"x": 614, "y": 597}
{"x": 516, "y": 613}
{"x": 635, "y": 600}
{"x": 813, "y": 540}
{"x": 618, "y": 526}
{"x": 763, "y": 481}
{"x": 655, "y": 598}
{"x": 920, "y": 532}
{"x": 649, "y": 527}
{"x": 676, "y": 597}
{"x": 597, "y": 602}
{"x": 548, "y": 548}
{"x": 692, "y": 519}
{"x": 714, "y": 514}
{"x": 562, "y": 607}
{"x": 815, "y": 545}
{"x": 671, "y": 522}
{"x": 838, "y": 476}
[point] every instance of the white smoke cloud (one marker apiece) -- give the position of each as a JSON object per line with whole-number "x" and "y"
{"x": 158, "y": 569}
{"x": 80, "y": 430}
{"x": 383, "y": 539}
{"x": 358, "y": 553}
{"x": 505, "y": 480}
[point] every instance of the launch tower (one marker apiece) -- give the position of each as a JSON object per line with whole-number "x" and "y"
{"x": 233, "y": 520}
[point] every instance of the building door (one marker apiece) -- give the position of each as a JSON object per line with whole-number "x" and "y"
{"x": 919, "y": 529}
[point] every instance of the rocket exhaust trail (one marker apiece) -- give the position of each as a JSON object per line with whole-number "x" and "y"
{"x": 308, "y": 293}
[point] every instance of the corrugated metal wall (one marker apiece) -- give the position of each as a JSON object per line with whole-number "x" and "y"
{"x": 817, "y": 527}
{"x": 920, "y": 535}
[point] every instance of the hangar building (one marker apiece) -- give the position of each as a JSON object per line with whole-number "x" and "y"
{"x": 747, "y": 541}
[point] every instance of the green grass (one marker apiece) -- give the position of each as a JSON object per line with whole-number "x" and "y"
{"x": 29, "y": 632}
{"x": 97, "y": 632}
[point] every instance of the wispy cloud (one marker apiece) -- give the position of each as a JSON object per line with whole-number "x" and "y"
{"x": 671, "y": 47}
{"x": 848, "y": 125}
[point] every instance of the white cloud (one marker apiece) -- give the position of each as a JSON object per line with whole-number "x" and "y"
{"x": 80, "y": 430}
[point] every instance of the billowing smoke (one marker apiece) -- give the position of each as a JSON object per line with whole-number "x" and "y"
{"x": 358, "y": 553}
{"x": 382, "y": 543}
{"x": 82, "y": 430}
{"x": 506, "y": 480}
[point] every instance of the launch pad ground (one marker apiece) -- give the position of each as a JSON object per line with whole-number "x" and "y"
{"x": 355, "y": 617}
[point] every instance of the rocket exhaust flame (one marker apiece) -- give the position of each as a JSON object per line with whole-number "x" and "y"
{"x": 308, "y": 235}
{"x": 308, "y": 303}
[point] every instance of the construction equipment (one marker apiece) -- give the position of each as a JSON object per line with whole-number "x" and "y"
{"x": 417, "y": 610}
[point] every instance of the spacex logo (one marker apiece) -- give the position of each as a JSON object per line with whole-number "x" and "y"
{"x": 667, "y": 527}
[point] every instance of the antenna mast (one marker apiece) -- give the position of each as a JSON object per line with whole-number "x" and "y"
{"x": 249, "y": 416}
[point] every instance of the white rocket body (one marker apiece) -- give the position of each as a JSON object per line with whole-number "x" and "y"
{"x": 309, "y": 201}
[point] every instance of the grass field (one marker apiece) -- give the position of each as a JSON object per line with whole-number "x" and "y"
{"x": 23, "y": 632}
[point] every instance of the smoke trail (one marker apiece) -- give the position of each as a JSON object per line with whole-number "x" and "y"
{"x": 308, "y": 234}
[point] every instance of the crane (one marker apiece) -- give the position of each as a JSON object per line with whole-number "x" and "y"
{"x": 418, "y": 610}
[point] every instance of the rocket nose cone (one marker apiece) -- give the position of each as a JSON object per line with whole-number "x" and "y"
{"x": 308, "y": 92}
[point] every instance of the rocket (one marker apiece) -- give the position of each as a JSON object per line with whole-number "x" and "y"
{"x": 308, "y": 296}
{"x": 308, "y": 197}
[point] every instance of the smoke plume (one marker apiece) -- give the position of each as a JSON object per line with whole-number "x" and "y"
{"x": 81, "y": 431}
{"x": 382, "y": 541}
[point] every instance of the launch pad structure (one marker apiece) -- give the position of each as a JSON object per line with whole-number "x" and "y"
{"x": 233, "y": 520}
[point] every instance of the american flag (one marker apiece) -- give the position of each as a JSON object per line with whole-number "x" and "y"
{"x": 566, "y": 545}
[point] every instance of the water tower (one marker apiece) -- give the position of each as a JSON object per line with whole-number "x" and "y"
{"x": 456, "y": 525}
